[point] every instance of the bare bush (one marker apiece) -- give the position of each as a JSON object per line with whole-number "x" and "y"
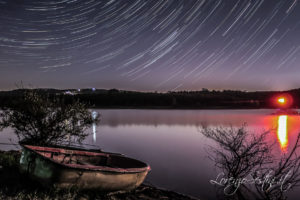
{"x": 240, "y": 154}
{"x": 40, "y": 120}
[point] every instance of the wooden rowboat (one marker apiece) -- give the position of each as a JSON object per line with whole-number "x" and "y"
{"x": 83, "y": 169}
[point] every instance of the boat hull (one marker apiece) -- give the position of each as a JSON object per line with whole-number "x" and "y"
{"x": 50, "y": 173}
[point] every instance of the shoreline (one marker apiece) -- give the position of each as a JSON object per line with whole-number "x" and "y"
{"x": 14, "y": 185}
{"x": 177, "y": 108}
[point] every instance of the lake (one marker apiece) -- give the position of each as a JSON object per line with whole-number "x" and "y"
{"x": 170, "y": 141}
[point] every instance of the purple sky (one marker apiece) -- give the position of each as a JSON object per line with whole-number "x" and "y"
{"x": 150, "y": 44}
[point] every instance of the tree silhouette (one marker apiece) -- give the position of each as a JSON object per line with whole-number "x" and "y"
{"x": 40, "y": 120}
{"x": 239, "y": 154}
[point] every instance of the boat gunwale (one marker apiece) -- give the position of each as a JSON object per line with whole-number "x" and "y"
{"x": 95, "y": 168}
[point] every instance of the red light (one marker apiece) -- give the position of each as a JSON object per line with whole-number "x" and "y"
{"x": 283, "y": 101}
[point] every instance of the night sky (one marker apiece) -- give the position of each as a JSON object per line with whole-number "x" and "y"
{"x": 150, "y": 45}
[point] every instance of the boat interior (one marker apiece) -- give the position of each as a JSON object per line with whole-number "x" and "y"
{"x": 87, "y": 159}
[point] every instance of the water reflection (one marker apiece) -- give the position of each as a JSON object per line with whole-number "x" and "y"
{"x": 94, "y": 127}
{"x": 94, "y": 133}
{"x": 284, "y": 127}
{"x": 240, "y": 155}
{"x": 282, "y": 131}
{"x": 169, "y": 140}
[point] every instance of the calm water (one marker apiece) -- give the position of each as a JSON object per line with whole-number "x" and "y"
{"x": 170, "y": 141}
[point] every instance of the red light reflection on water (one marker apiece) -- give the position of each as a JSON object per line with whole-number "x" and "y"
{"x": 286, "y": 129}
{"x": 282, "y": 131}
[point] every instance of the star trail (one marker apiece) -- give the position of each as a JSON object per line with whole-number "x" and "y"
{"x": 150, "y": 45}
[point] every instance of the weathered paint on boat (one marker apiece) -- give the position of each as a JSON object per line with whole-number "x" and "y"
{"x": 82, "y": 169}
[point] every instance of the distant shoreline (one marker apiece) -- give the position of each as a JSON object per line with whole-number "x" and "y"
{"x": 177, "y": 108}
{"x": 183, "y": 100}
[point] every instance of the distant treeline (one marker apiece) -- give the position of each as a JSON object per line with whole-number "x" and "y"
{"x": 205, "y": 99}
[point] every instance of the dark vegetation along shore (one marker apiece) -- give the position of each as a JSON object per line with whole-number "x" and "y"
{"x": 204, "y": 99}
{"x": 15, "y": 186}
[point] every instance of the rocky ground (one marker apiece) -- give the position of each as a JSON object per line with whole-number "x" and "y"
{"x": 14, "y": 185}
